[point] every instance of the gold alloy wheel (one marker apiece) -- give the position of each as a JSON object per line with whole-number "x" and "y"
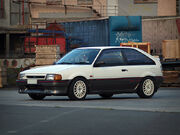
{"x": 148, "y": 87}
{"x": 79, "y": 89}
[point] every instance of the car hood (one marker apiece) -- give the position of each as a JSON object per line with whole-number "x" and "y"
{"x": 53, "y": 69}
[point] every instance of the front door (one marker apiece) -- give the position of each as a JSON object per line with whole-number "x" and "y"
{"x": 109, "y": 71}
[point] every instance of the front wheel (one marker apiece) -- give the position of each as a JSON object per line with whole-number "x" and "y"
{"x": 37, "y": 96}
{"x": 146, "y": 88}
{"x": 78, "y": 89}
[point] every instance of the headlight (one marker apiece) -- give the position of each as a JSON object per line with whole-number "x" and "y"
{"x": 21, "y": 76}
{"x": 53, "y": 77}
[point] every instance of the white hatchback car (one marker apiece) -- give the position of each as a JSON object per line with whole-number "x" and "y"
{"x": 95, "y": 70}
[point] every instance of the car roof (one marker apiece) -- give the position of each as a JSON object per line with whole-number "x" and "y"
{"x": 114, "y": 47}
{"x": 104, "y": 47}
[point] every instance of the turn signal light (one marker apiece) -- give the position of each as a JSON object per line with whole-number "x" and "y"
{"x": 57, "y": 77}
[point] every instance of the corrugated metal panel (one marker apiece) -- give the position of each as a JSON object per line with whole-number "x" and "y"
{"x": 178, "y": 24}
{"x": 157, "y": 30}
{"x": 124, "y": 29}
{"x": 87, "y": 33}
{"x": 112, "y": 31}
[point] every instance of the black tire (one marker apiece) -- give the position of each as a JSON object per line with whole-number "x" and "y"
{"x": 37, "y": 96}
{"x": 106, "y": 95}
{"x": 147, "y": 88}
{"x": 78, "y": 89}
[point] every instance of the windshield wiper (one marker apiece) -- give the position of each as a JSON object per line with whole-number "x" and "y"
{"x": 65, "y": 63}
{"x": 81, "y": 63}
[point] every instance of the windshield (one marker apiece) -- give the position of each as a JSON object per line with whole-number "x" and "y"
{"x": 79, "y": 56}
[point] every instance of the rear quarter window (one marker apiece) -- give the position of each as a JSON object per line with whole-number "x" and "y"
{"x": 135, "y": 57}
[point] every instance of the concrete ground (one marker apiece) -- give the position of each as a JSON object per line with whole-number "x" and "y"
{"x": 123, "y": 114}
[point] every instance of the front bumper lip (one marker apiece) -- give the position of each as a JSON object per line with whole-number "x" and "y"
{"x": 43, "y": 87}
{"x": 46, "y": 92}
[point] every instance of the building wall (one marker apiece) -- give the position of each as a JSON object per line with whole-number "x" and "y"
{"x": 100, "y": 6}
{"x": 5, "y": 22}
{"x": 166, "y": 7}
{"x": 16, "y": 13}
{"x": 41, "y": 11}
{"x": 112, "y": 7}
{"x": 157, "y": 30}
{"x": 72, "y": 9}
{"x": 128, "y": 8}
{"x": 13, "y": 14}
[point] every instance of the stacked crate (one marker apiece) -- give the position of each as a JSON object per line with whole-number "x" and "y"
{"x": 171, "y": 53}
{"x": 171, "y": 78}
{"x": 171, "y": 49}
{"x": 47, "y": 54}
{"x": 3, "y": 76}
{"x": 145, "y": 46}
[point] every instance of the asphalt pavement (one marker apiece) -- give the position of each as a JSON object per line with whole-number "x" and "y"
{"x": 124, "y": 114}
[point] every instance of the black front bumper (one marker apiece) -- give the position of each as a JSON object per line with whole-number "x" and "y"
{"x": 45, "y": 87}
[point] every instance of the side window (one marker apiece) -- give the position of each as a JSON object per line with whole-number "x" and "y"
{"x": 136, "y": 58}
{"x": 111, "y": 57}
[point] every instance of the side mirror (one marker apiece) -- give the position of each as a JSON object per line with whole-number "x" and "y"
{"x": 99, "y": 64}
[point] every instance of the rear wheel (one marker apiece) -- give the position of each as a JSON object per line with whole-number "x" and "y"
{"x": 78, "y": 89}
{"x": 37, "y": 96}
{"x": 106, "y": 95}
{"x": 146, "y": 88}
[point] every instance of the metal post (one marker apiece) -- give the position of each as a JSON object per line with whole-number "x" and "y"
{"x": 2, "y": 8}
{"x": 7, "y": 44}
{"x": 115, "y": 11}
{"x": 19, "y": 13}
{"x": 37, "y": 33}
{"x": 22, "y": 12}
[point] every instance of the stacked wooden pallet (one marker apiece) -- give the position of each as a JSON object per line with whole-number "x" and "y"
{"x": 145, "y": 46}
{"x": 3, "y": 76}
{"x": 171, "y": 78}
{"x": 47, "y": 54}
{"x": 171, "y": 53}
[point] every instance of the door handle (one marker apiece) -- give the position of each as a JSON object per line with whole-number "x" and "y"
{"x": 124, "y": 70}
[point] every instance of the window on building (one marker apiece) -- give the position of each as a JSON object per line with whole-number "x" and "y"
{"x": 85, "y": 2}
{"x": 145, "y": 1}
{"x": 53, "y": 2}
{"x": 2, "y": 9}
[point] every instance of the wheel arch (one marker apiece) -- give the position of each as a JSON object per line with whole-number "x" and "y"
{"x": 79, "y": 77}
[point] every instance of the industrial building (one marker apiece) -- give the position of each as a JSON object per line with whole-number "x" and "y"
{"x": 83, "y": 23}
{"x": 16, "y": 16}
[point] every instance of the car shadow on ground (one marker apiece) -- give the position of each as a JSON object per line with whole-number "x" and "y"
{"x": 97, "y": 98}
{"x": 88, "y": 99}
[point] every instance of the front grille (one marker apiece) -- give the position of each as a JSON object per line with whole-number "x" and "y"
{"x": 36, "y": 77}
